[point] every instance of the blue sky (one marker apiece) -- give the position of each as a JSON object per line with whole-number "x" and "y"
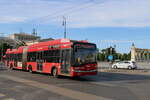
{"x": 105, "y": 22}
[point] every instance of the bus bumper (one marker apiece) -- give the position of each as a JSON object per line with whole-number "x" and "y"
{"x": 84, "y": 73}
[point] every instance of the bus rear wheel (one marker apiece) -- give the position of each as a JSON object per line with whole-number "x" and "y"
{"x": 30, "y": 69}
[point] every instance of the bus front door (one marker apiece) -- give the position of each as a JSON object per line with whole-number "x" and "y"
{"x": 65, "y": 61}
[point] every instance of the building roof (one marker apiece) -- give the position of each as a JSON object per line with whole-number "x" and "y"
{"x": 7, "y": 40}
{"x": 47, "y": 39}
{"x": 25, "y": 34}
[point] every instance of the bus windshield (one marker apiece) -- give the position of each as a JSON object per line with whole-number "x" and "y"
{"x": 84, "y": 56}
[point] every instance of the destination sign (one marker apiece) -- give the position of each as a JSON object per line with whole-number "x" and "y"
{"x": 85, "y": 46}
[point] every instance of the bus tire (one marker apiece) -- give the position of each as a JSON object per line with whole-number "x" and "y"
{"x": 30, "y": 69}
{"x": 54, "y": 72}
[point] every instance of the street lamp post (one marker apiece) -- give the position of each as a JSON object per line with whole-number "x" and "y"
{"x": 65, "y": 28}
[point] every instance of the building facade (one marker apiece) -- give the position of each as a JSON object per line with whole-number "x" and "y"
{"x": 139, "y": 54}
{"x": 24, "y": 37}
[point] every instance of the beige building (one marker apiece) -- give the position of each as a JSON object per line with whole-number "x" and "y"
{"x": 28, "y": 39}
{"x": 133, "y": 53}
{"x": 139, "y": 54}
{"x": 37, "y": 41}
{"x": 24, "y": 37}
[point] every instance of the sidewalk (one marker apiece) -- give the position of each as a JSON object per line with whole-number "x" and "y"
{"x": 143, "y": 68}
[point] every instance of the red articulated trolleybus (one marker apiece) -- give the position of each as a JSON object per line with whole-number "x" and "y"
{"x": 57, "y": 57}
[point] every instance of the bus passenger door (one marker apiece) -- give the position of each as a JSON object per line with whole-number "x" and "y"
{"x": 39, "y": 60}
{"x": 65, "y": 61}
{"x": 24, "y": 58}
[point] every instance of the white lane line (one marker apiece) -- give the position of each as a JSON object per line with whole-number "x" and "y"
{"x": 58, "y": 90}
{"x": 2, "y": 95}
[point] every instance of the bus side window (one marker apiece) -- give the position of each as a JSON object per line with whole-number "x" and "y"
{"x": 51, "y": 56}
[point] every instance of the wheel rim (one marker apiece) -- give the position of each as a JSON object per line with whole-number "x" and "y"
{"x": 130, "y": 67}
{"x": 30, "y": 70}
{"x": 54, "y": 72}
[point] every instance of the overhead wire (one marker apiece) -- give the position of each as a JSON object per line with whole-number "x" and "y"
{"x": 69, "y": 10}
{"x": 59, "y": 12}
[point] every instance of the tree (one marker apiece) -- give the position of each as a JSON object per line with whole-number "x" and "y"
{"x": 3, "y": 48}
{"x": 102, "y": 56}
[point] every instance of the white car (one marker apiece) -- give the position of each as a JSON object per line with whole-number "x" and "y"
{"x": 125, "y": 64}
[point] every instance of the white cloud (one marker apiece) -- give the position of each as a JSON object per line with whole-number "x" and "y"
{"x": 107, "y": 13}
{"x": 117, "y": 41}
{"x": 11, "y": 19}
{"x": 119, "y": 13}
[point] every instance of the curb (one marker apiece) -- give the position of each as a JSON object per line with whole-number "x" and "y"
{"x": 123, "y": 70}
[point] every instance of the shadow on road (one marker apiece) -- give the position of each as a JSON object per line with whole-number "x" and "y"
{"x": 101, "y": 77}
{"x": 110, "y": 76}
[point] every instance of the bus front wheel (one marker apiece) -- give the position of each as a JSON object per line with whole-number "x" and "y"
{"x": 54, "y": 72}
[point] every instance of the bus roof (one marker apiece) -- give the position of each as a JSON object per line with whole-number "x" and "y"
{"x": 44, "y": 45}
{"x": 14, "y": 51}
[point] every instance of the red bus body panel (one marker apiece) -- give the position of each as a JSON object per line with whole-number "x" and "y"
{"x": 89, "y": 69}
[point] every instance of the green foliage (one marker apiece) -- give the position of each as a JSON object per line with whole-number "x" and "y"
{"x": 102, "y": 56}
{"x": 4, "y": 47}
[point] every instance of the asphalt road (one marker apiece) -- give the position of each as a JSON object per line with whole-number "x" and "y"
{"x": 20, "y": 85}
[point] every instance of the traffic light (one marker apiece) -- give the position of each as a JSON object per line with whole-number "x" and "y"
{"x": 111, "y": 50}
{"x": 108, "y": 50}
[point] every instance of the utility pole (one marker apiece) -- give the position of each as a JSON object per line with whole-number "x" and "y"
{"x": 34, "y": 32}
{"x": 65, "y": 28}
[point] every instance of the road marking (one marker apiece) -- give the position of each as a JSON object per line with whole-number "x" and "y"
{"x": 58, "y": 90}
{"x": 9, "y": 99}
{"x": 104, "y": 84}
{"x": 2, "y": 95}
{"x": 98, "y": 81}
